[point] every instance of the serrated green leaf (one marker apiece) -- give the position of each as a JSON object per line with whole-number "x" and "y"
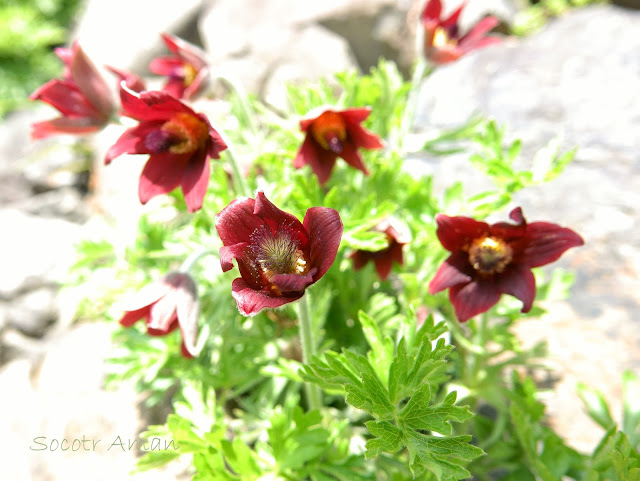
{"x": 398, "y": 371}
{"x": 418, "y": 414}
{"x": 381, "y": 352}
{"x": 388, "y": 438}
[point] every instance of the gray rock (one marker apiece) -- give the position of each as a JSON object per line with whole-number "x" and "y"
{"x": 33, "y": 312}
{"x": 138, "y": 26}
{"x": 35, "y": 251}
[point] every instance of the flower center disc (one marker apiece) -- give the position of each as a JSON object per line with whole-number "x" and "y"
{"x": 330, "y": 131}
{"x": 277, "y": 252}
{"x": 188, "y": 133}
{"x": 490, "y": 255}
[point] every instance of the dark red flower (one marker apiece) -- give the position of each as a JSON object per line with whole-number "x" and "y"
{"x": 442, "y": 40}
{"x": 179, "y": 143}
{"x": 334, "y": 134}
{"x": 186, "y": 69}
{"x": 82, "y": 97}
{"x": 487, "y": 261}
{"x": 278, "y": 257}
{"x": 397, "y": 236}
{"x": 165, "y": 305}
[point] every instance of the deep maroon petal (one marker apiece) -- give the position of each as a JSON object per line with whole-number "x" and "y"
{"x": 250, "y": 301}
{"x": 90, "y": 82}
{"x": 236, "y": 222}
{"x": 395, "y": 252}
{"x": 228, "y": 253}
{"x": 383, "y": 264}
{"x": 456, "y": 232}
{"x": 161, "y": 174}
{"x": 320, "y": 160}
{"x": 518, "y": 280}
{"x": 324, "y": 227}
{"x": 455, "y": 271}
{"x": 545, "y": 242}
{"x": 265, "y": 209}
{"x": 360, "y": 259}
{"x": 471, "y": 39}
{"x": 196, "y": 180}
{"x": 153, "y": 105}
{"x": 473, "y": 298}
{"x": 132, "y": 141}
{"x": 351, "y": 155}
{"x": 294, "y": 283}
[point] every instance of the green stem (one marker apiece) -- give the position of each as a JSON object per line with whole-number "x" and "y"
{"x": 194, "y": 257}
{"x": 239, "y": 182}
{"x": 308, "y": 350}
{"x": 410, "y": 108}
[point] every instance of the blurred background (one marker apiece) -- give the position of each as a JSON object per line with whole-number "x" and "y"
{"x": 567, "y": 69}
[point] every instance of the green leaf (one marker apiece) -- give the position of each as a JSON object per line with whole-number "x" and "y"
{"x": 418, "y": 414}
{"x": 597, "y": 407}
{"x": 381, "y": 352}
{"x": 388, "y": 438}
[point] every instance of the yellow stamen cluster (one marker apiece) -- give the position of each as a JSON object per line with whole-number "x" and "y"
{"x": 329, "y": 125}
{"x": 188, "y": 131}
{"x": 490, "y": 255}
{"x": 441, "y": 38}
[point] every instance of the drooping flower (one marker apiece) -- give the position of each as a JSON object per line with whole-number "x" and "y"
{"x": 334, "y": 134}
{"x": 165, "y": 305}
{"x": 82, "y": 97}
{"x": 178, "y": 140}
{"x": 487, "y": 261}
{"x": 187, "y": 69}
{"x": 277, "y": 255}
{"x": 442, "y": 40}
{"x": 397, "y": 236}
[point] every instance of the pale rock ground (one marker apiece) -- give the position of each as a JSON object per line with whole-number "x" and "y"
{"x": 550, "y": 83}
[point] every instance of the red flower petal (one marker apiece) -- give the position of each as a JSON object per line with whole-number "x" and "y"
{"x": 454, "y": 271}
{"x": 187, "y": 309}
{"x": 383, "y": 264}
{"x": 265, "y": 209}
{"x": 216, "y": 143}
{"x": 63, "y": 125}
{"x": 355, "y": 116}
{"x": 320, "y": 160}
{"x": 545, "y": 242}
{"x": 518, "y": 281}
{"x": 474, "y": 298}
{"x": 236, "y": 222}
{"x": 456, "y": 232}
{"x": 471, "y": 40}
{"x": 324, "y": 227}
{"x": 251, "y": 301}
{"x": 452, "y": 20}
{"x": 64, "y": 96}
{"x": 195, "y": 180}
{"x": 132, "y": 141}
{"x": 432, "y": 10}
{"x": 292, "y": 283}
{"x": 353, "y": 157}
{"x": 363, "y": 138}
{"x": 228, "y": 253}
{"x": 131, "y": 317}
{"x": 163, "y": 313}
{"x": 90, "y": 82}
{"x": 171, "y": 66}
{"x": 161, "y": 174}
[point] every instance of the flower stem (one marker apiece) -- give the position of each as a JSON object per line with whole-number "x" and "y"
{"x": 308, "y": 350}
{"x": 239, "y": 182}
{"x": 419, "y": 72}
{"x": 194, "y": 257}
